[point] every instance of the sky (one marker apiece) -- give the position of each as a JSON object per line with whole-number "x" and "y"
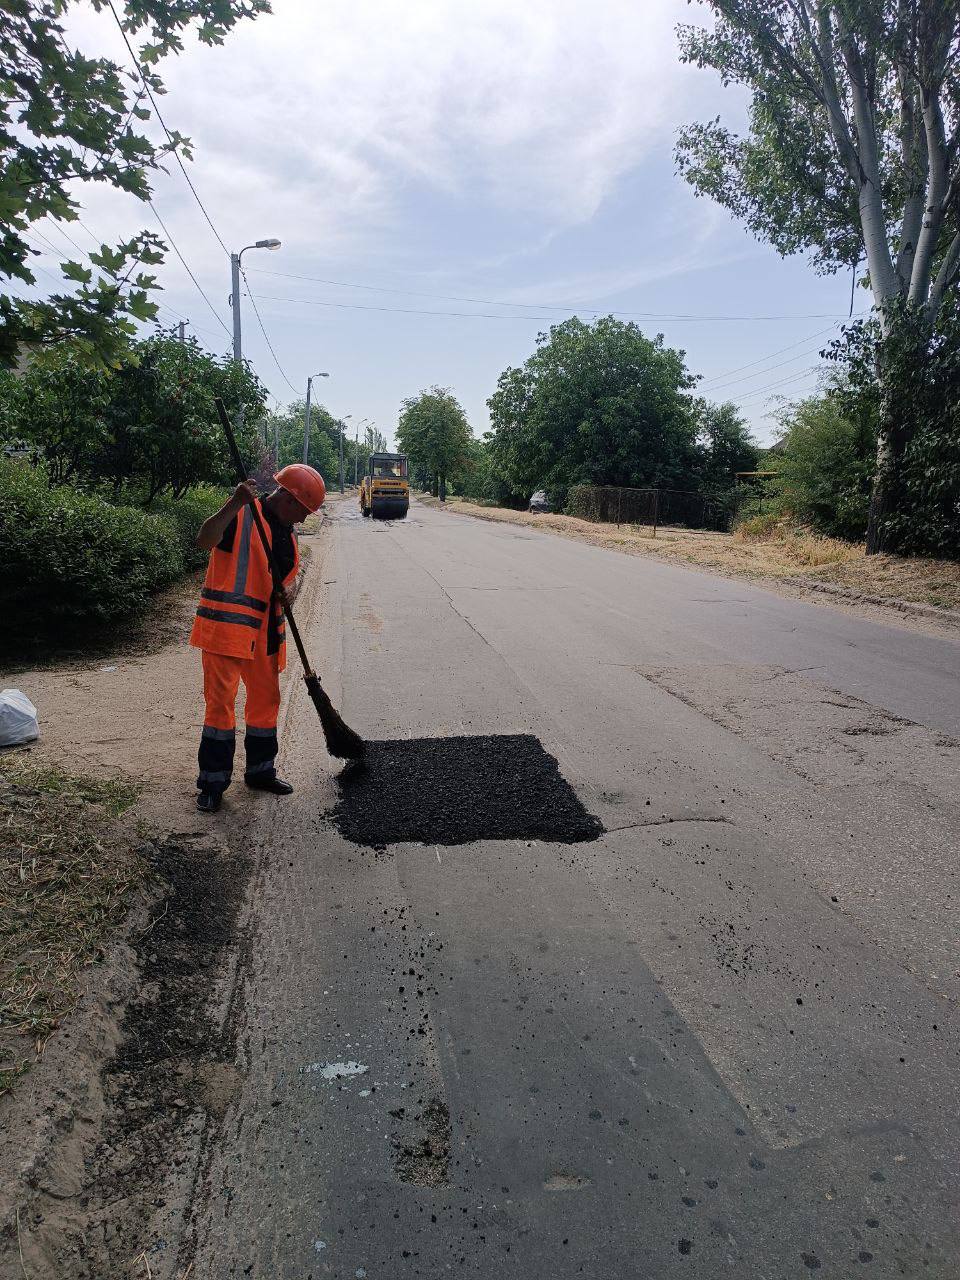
{"x": 449, "y": 178}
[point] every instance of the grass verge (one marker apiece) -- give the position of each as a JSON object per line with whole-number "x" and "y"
{"x": 66, "y": 875}
{"x": 760, "y": 549}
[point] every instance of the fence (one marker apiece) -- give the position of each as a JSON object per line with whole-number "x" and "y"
{"x": 655, "y": 507}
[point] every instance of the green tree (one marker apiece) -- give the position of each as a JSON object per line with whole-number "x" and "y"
{"x": 434, "y": 431}
{"x": 597, "y": 404}
{"x": 726, "y": 446}
{"x": 825, "y": 459}
{"x": 66, "y": 120}
{"x": 149, "y": 426}
{"x": 56, "y": 409}
{"x": 851, "y": 153}
{"x": 324, "y": 438}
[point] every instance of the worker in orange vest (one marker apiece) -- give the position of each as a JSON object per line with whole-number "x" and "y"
{"x": 240, "y": 627}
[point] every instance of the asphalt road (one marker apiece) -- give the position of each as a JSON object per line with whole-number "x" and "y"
{"x": 720, "y": 1039}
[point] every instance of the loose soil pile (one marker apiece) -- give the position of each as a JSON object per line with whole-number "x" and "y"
{"x": 455, "y": 790}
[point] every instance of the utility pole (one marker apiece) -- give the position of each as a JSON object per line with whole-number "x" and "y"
{"x": 235, "y": 289}
{"x": 306, "y": 415}
{"x": 235, "y": 303}
{"x": 182, "y": 330}
{"x": 356, "y": 450}
{"x": 349, "y": 415}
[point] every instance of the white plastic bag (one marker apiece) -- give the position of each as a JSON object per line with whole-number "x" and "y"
{"x": 18, "y": 718}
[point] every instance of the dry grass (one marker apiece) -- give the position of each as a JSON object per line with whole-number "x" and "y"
{"x": 929, "y": 582}
{"x": 762, "y": 549}
{"x": 65, "y": 880}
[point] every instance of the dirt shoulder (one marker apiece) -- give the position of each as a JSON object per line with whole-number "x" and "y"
{"x": 120, "y": 908}
{"x": 924, "y": 594}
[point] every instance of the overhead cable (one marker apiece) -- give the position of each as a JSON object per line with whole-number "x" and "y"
{"x": 490, "y": 302}
{"x": 156, "y": 110}
{"x": 762, "y": 373}
{"x": 86, "y": 253}
{"x": 175, "y": 248}
{"x": 488, "y": 315}
{"x": 779, "y": 352}
{"x": 783, "y": 382}
{"x": 266, "y": 338}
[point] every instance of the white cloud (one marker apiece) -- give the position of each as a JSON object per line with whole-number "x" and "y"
{"x": 322, "y": 117}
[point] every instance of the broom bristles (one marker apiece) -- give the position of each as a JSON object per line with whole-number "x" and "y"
{"x": 342, "y": 741}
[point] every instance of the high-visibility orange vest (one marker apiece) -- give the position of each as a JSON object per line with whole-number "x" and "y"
{"x": 234, "y": 613}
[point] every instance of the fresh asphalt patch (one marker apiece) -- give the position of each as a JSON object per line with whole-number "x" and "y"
{"x": 457, "y": 790}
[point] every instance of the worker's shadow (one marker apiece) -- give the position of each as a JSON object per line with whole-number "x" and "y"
{"x": 455, "y": 790}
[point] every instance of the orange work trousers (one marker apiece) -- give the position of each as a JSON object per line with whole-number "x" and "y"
{"x": 222, "y": 676}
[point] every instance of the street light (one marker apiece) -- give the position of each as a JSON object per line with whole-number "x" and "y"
{"x": 342, "y": 420}
{"x": 235, "y": 283}
{"x": 356, "y": 448}
{"x": 306, "y": 415}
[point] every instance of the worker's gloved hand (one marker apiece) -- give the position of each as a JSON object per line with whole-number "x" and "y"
{"x": 283, "y": 598}
{"x": 245, "y": 493}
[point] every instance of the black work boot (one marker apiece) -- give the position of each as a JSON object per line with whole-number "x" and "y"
{"x": 269, "y": 782}
{"x": 209, "y": 801}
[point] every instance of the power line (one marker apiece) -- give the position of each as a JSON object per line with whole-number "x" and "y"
{"x": 173, "y": 146}
{"x": 266, "y": 337}
{"x": 69, "y": 239}
{"x": 201, "y": 205}
{"x": 199, "y": 327}
{"x": 783, "y": 382}
{"x": 779, "y": 352}
{"x": 178, "y": 316}
{"x": 405, "y": 311}
{"x": 762, "y": 373}
{"x": 488, "y": 315}
{"x": 174, "y": 247}
{"x": 490, "y": 302}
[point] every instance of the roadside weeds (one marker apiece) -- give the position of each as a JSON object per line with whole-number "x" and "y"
{"x": 68, "y": 871}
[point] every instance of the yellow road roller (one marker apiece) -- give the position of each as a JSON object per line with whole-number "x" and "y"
{"x": 385, "y": 491}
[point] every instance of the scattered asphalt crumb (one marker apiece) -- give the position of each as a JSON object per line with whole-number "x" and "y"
{"x": 455, "y": 790}
{"x": 425, "y": 1160}
{"x": 685, "y": 1246}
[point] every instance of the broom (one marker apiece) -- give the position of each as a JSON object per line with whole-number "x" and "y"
{"x": 342, "y": 742}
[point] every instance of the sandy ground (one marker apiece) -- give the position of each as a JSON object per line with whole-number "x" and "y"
{"x": 85, "y": 1133}
{"x": 927, "y": 592}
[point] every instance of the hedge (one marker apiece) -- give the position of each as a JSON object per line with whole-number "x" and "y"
{"x": 185, "y": 515}
{"x": 69, "y": 558}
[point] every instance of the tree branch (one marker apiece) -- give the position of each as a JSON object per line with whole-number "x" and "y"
{"x": 883, "y": 277}
{"x": 914, "y": 159}
{"x": 937, "y": 188}
{"x": 946, "y": 277}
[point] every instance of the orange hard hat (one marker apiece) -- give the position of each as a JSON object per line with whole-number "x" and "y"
{"x": 305, "y": 483}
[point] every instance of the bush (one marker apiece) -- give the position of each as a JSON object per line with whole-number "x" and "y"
{"x": 72, "y": 558}
{"x": 827, "y": 465}
{"x": 185, "y": 516}
{"x": 759, "y": 528}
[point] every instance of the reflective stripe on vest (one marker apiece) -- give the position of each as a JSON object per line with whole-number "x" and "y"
{"x": 234, "y": 597}
{"x": 221, "y": 615}
{"x": 235, "y": 600}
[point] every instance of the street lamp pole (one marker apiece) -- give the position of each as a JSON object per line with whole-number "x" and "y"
{"x": 306, "y": 415}
{"x": 235, "y": 290}
{"x": 356, "y": 450}
{"x": 342, "y": 420}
